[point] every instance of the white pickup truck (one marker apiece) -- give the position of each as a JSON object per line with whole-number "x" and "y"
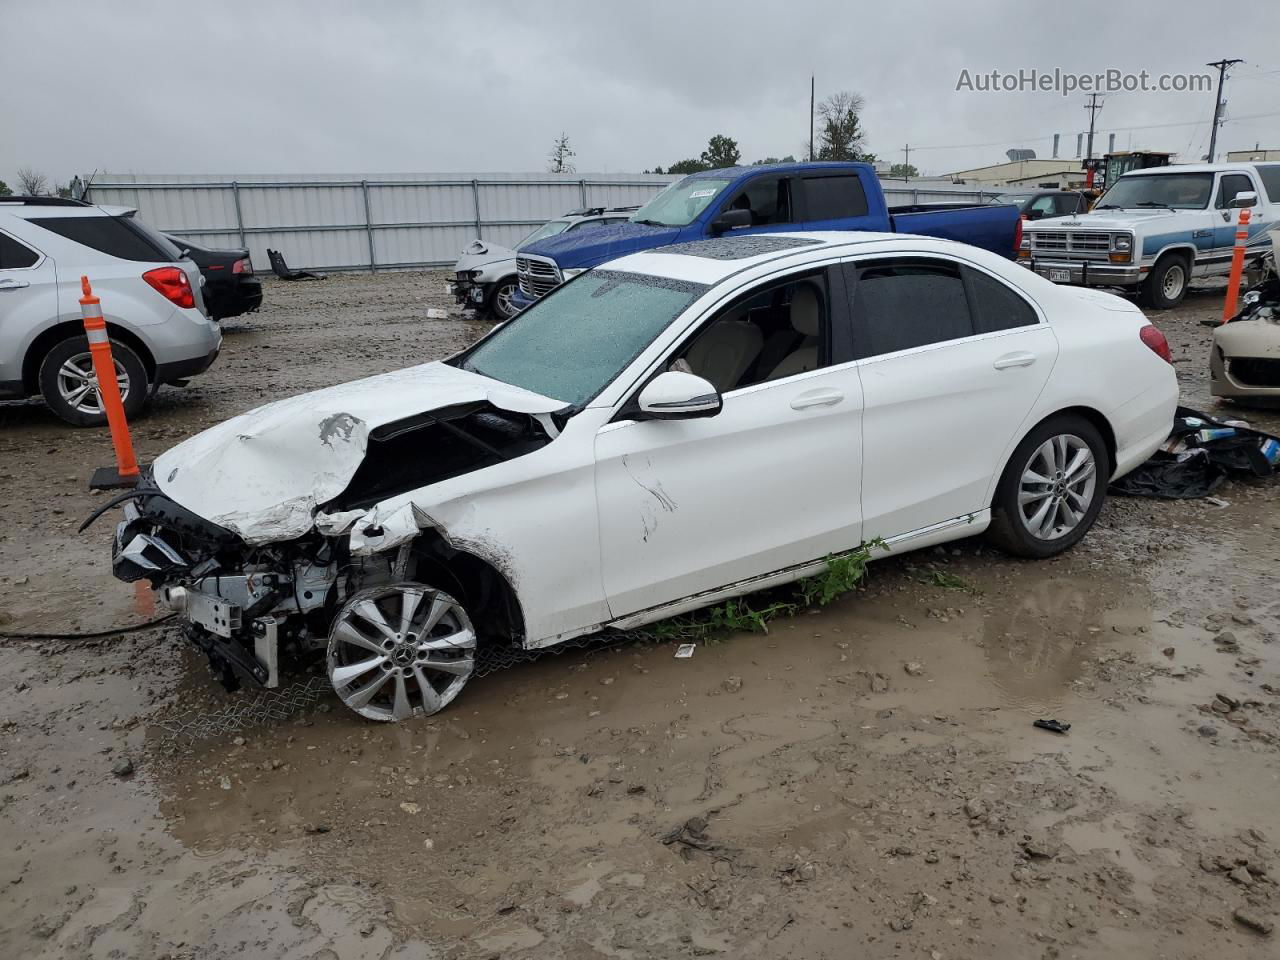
{"x": 1156, "y": 229}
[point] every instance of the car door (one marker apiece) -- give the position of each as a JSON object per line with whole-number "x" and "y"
{"x": 952, "y": 359}
{"x": 770, "y": 482}
{"x": 1226, "y": 217}
{"x": 769, "y": 198}
{"x": 28, "y": 303}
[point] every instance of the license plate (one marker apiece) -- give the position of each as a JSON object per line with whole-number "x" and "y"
{"x": 1060, "y": 276}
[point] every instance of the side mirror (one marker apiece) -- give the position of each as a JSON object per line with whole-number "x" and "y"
{"x": 1245, "y": 198}
{"x": 1035, "y": 214}
{"x": 729, "y": 220}
{"x": 678, "y": 396}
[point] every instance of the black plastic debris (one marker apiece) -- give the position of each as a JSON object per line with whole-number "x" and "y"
{"x": 1055, "y": 726}
{"x": 283, "y": 271}
{"x": 1199, "y": 456}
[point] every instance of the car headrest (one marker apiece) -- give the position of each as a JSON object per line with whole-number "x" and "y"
{"x": 806, "y": 311}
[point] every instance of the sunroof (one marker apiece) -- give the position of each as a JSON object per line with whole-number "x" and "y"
{"x": 736, "y": 248}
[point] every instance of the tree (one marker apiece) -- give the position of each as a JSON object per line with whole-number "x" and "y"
{"x": 687, "y": 166}
{"x": 561, "y": 155}
{"x": 903, "y": 171}
{"x": 721, "y": 151}
{"x": 4, "y": 190}
{"x": 31, "y": 182}
{"x": 841, "y": 136}
{"x": 789, "y": 158}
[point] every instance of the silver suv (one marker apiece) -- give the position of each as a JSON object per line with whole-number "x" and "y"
{"x": 150, "y": 294}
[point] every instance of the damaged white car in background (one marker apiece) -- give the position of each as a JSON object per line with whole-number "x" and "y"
{"x": 683, "y": 425}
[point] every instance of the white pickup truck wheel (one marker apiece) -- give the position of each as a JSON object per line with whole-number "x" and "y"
{"x": 1166, "y": 285}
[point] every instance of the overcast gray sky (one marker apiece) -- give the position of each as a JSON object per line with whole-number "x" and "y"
{"x": 320, "y": 87}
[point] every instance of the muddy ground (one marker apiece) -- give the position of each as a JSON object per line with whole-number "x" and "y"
{"x": 797, "y": 794}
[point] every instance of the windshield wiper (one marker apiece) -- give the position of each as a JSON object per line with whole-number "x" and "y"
{"x": 652, "y": 223}
{"x": 1108, "y": 206}
{"x": 1154, "y": 203}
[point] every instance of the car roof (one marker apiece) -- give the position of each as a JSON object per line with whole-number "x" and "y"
{"x": 26, "y": 211}
{"x": 1201, "y": 168}
{"x": 710, "y": 261}
{"x": 799, "y": 166}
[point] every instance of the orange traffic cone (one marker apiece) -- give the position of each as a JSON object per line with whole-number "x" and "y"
{"x": 125, "y": 472}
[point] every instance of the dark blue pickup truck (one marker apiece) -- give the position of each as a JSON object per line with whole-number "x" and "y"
{"x": 763, "y": 199}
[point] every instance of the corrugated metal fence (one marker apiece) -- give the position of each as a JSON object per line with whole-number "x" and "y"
{"x": 353, "y": 222}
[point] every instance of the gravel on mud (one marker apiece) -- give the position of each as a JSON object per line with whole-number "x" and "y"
{"x": 863, "y": 780}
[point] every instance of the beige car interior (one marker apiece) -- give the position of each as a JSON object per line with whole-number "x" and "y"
{"x": 775, "y": 334}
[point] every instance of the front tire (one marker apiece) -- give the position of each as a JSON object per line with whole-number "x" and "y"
{"x": 500, "y": 306}
{"x": 1052, "y": 488}
{"x": 68, "y": 382}
{"x": 1167, "y": 283}
{"x": 400, "y": 650}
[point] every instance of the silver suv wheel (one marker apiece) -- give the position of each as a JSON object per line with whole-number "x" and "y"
{"x": 78, "y": 383}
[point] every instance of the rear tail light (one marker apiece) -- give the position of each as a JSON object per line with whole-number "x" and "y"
{"x": 1017, "y": 239}
{"x": 244, "y": 266}
{"x": 172, "y": 284}
{"x": 1154, "y": 339}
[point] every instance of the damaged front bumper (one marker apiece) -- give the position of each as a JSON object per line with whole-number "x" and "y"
{"x": 239, "y": 604}
{"x": 467, "y": 291}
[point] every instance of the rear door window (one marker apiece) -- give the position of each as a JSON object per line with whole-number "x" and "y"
{"x": 114, "y": 236}
{"x": 834, "y": 198}
{"x": 15, "y": 255}
{"x": 1270, "y": 175}
{"x": 995, "y": 306}
{"x": 901, "y": 304}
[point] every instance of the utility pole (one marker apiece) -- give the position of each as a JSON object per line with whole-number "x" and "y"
{"x": 1093, "y": 106}
{"x": 906, "y": 161}
{"x": 1217, "y": 104}
{"x": 811, "y": 89}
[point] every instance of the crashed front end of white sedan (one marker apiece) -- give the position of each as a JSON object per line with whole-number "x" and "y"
{"x": 278, "y": 533}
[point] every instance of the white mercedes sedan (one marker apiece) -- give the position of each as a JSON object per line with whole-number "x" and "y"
{"x": 670, "y": 429}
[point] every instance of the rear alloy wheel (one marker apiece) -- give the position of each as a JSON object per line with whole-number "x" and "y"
{"x": 1052, "y": 489}
{"x": 500, "y": 300}
{"x": 400, "y": 650}
{"x": 69, "y": 382}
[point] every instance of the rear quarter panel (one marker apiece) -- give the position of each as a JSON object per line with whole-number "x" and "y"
{"x": 1103, "y": 365}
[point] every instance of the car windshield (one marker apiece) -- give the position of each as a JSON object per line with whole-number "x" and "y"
{"x": 680, "y": 204}
{"x": 544, "y": 231}
{"x": 1176, "y": 191}
{"x": 573, "y": 342}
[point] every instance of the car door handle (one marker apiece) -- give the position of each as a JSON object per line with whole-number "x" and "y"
{"x": 1019, "y": 359}
{"x": 817, "y": 398}
{"x": 7, "y": 284}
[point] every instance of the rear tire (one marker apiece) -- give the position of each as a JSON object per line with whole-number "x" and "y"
{"x": 1167, "y": 283}
{"x": 1052, "y": 488}
{"x": 68, "y": 384}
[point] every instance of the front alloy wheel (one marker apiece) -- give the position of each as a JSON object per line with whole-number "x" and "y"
{"x": 400, "y": 649}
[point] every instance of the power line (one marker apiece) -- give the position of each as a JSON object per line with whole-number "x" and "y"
{"x": 1217, "y": 103}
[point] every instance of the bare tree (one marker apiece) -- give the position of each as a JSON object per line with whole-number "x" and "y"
{"x": 561, "y": 155}
{"x": 840, "y": 134}
{"x": 31, "y": 183}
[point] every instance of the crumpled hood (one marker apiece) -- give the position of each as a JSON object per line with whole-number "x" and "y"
{"x": 263, "y": 473}
{"x": 478, "y": 253}
{"x": 1106, "y": 220}
{"x": 581, "y": 250}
